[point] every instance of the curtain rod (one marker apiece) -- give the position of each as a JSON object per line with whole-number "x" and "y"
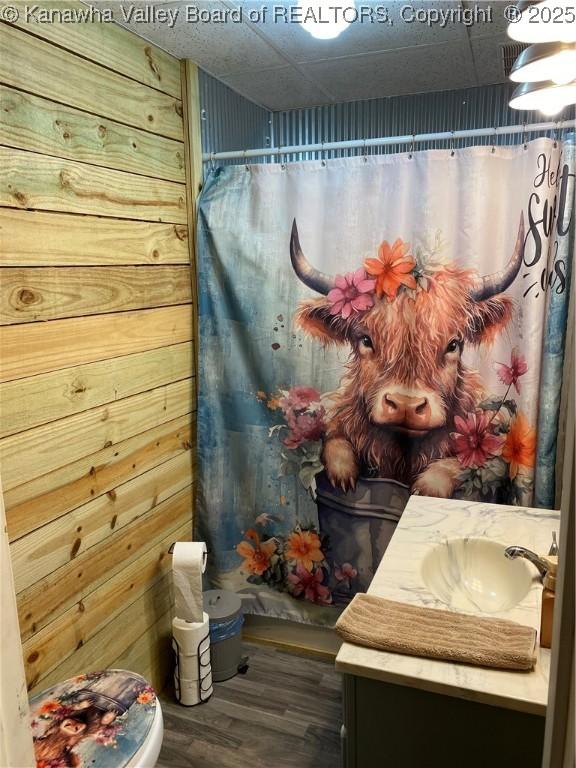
{"x": 387, "y": 140}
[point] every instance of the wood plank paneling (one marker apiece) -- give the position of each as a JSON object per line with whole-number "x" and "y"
{"x": 39, "y": 501}
{"x": 52, "y": 293}
{"x": 150, "y": 654}
{"x": 38, "y": 67}
{"x": 85, "y": 240}
{"x": 101, "y": 650}
{"x": 47, "y": 548}
{"x": 37, "y": 451}
{"x": 41, "y": 603}
{"x": 105, "y": 43}
{"x": 35, "y": 348}
{"x": 96, "y": 339}
{"x": 38, "y": 125}
{"x": 27, "y": 403}
{"x": 59, "y": 640}
{"x": 194, "y": 169}
{"x": 30, "y": 180}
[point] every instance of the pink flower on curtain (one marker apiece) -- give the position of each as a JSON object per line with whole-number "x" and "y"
{"x": 510, "y": 374}
{"x": 473, "y": 441}
{"x": 352, "y": 293}
{"x": 304, "y": 427}
{"x": 346, "y": 572}
{"x": 298, "y": 399}
{"x": 310, "y": 585}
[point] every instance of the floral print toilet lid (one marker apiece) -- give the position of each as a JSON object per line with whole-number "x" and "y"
{"x": 100, "y": 719}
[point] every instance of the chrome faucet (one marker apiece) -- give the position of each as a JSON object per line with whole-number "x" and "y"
{"x": 516, "y": 551}
{"x": 554, "y": 546}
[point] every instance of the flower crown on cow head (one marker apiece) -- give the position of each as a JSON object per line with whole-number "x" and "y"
{"x": 394, "y": 269}
{"x": 383, "y": 276}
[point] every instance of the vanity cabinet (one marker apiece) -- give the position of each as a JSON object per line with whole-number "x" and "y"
{"x": 403, "y": 711}
{"x": 394, "y": 726}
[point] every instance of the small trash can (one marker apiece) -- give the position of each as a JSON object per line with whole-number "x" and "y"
{"x": 225, "y": 611}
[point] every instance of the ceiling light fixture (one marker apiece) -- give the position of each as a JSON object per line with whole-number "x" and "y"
{"x": 547, "y": 96}
{"x": 544, "y": 22}
{"x": 326, "y": 19}
{"x": 547, "y": 61}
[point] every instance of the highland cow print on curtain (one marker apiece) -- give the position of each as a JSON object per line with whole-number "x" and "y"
{"x": 372, "y": 328}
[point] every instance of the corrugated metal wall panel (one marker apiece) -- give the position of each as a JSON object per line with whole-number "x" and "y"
{"x": 229, "y": 121}
{"x": 232, "y": 122}
{"x": 401, "y": 115}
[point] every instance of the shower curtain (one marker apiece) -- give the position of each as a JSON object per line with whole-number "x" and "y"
{"x": 370, "y": 328}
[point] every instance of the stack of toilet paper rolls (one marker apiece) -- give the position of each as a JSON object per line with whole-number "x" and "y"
{"x": 190, "y": 626}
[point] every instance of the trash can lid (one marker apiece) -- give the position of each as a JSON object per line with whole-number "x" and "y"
{"x": 220, "y": 604}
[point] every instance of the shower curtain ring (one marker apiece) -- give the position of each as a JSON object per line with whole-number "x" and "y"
{"x": 364, "y": 155}
{"x": 323, "y": 157}
{"x": 452, "y": 149}
{"x": 246, "y": 165}
{"x": 556, "y": 134}
{"x": 494, "y": 142}
{"x": 524, "y": 136}
{"x": 282, "y": 157}
{"x": 212, "y": 162}
{"x": 411, "y": 153}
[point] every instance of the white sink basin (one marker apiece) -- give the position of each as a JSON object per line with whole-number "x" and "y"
{"x": 474, "y": 575}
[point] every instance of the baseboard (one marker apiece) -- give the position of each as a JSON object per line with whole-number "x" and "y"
{"x": 292, "y": 636}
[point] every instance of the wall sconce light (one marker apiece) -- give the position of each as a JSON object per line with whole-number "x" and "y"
{"x": 547, "y": 61}
{"x": 544, "y": 22}
{"x": 546, "y": 70}
{"x": 547, "y": 96}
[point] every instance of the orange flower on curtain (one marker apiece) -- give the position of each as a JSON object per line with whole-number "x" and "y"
{"x": 256, "y": 556}
{"x": 392, "y": 269}
{"x": 520, "y": 446}
{"x": 305, "y": 548}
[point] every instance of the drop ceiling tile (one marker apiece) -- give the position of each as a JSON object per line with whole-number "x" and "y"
{"x": 217, "y": 47}
{"x": 360, "y": 37}
{"x": 415, "y": 57}
{"x": 411, "y": 70}
{"x": 282, "y": 88}
{"x": 498, "y": 24}
{"x": 487, "y": 55}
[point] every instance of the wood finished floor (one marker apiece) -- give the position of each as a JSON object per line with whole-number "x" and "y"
{"x": 285, "y": 712}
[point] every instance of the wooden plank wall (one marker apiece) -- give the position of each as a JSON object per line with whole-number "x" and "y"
{"x": 97, "y": 369}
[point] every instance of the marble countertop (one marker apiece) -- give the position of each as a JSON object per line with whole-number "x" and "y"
{"x": 425, "y": 523}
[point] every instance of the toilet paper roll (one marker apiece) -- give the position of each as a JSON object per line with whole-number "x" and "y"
{"x": 188, "y": 565}
{"x": 194, "y": 664}
{"x": 188, "y": 635}
{"x": 190, "y": 692}
{"x": 191, "y": 644}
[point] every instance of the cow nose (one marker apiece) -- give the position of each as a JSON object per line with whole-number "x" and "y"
{"x": 391, "y": 404}
{"x": 420, "y": 406}
{"x": 405, "y": 410}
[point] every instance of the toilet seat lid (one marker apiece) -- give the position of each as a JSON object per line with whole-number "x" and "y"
{"x": 100, "y": 720}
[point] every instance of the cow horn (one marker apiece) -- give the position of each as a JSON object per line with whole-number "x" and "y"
{"x": 310, "y": 276}
{"x": 490, "y": 285}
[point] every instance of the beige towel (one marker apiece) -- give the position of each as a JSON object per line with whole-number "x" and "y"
{"x": 409, "y": 629}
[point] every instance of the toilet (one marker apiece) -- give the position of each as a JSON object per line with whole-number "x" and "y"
{"x": 107, "y": 719}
